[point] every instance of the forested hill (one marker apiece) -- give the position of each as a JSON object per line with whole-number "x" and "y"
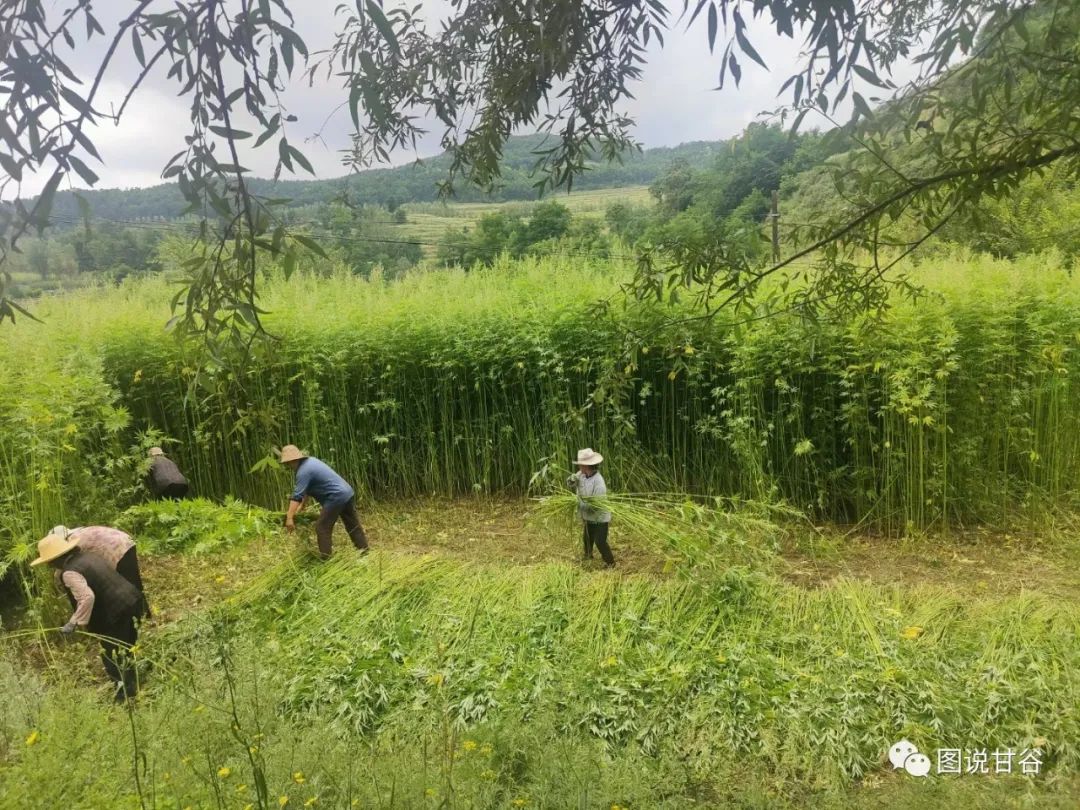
{"x": 415, "y": 182}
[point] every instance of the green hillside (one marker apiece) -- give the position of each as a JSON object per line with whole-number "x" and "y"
{"x": 390, "y": 187}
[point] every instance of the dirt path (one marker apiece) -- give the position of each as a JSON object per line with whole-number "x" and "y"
{"x": 975, "y": 562}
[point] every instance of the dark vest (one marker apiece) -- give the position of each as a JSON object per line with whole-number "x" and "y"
{"x": 114, "y": 597}
{"x": 165, "y": 474}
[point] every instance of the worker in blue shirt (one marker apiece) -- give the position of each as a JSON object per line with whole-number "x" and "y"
{"x": 315, "y": 479}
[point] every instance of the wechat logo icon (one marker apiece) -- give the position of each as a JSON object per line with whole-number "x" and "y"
{"x": 905, "y": 755}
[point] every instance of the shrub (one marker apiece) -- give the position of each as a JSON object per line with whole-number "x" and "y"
{"x": 194, "y": 526}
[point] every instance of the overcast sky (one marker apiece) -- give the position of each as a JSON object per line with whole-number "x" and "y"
{"x": 674, "y": 103}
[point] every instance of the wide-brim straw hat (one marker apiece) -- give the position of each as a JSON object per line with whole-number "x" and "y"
{"x": 588, "y": 457}
{"x": 156, "y": 451}
{"x": 291, "y": 452}
{"x": 51, "y": 547}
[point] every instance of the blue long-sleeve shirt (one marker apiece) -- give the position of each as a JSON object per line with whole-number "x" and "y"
{"x": 317, "y": 479}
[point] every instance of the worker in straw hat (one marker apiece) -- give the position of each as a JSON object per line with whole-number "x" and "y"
{"x": 588, "y": 483}
{"x": 112, "y": 545}
{"x": 315, "y": 479}
{"x": 105, "y": 604}
{"x": 164, "y": 478}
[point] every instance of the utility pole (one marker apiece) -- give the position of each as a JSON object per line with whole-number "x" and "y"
{"x": 775, "y": 217}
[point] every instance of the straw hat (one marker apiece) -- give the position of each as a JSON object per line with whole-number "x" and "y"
{"x": 291, "y": 452}
{"x": 51, "y": 547}
{"x": 156, "y": 451}
{"x": 588, "y": 457}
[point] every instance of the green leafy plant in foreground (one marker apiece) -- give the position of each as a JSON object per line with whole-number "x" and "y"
{"x": 411, "y": 681}
{"x": 196, "y": 526}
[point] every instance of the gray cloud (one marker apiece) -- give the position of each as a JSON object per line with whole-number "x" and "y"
{"x": 674, "y": 104}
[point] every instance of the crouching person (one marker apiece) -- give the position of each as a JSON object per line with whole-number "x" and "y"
{"x": 104, "y": 602}
{"x": 112, "y": 545}
{"x": 164, "y": 479}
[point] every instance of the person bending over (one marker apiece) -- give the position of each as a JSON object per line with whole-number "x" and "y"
{"x": 315, "y": 479}
{"x": 112, "y": 545}
{"x": 105, "y": 604}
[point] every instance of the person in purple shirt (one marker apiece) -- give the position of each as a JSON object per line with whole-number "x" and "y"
{"x": 315, "y": 479}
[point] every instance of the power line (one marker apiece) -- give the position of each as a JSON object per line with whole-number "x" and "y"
{"x": 349, "y": 239}
{"x": 165, "y": 227}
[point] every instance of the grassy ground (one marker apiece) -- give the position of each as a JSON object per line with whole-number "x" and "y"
{"x": 429, "y": 553}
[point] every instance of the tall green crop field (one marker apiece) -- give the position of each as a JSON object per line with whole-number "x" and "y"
{"x": 961, "y": 406}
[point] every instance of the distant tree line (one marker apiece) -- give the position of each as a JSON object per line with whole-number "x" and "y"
{"x": 360, "y": 236}
{"x": 550, "y": 227}
{"x": 725, "y": 201}
{"x": 105, "y": 249}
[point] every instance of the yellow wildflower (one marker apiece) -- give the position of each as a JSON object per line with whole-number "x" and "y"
{"x": 486, "y": 750}
{"x": 33, "y": 738}
{"x": 912, "y": 632}
{"x": 254, "y": 749}
{"x": 298, "y": 777}
{"x": 469, "y": 745}
{"x": 219, "y": 580}
{"x": 282, "y": 801}
{"x": 429, "y": 792}
{"x": 224, "y": 772}
{"x": 311, "y": 802}
{"x": 519, "y": 802}
{"x": 435, "y": 679}
{"x": 610, "y": 661}
{"x": 249, "y": 807}
{"x": 488, "y": 774}
{"x": 241, "y": 788}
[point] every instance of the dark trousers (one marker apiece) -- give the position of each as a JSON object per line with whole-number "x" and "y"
{"x": 324, "y": 526}
{"x": 115, "y": 651}
{"x": 596, "y": 534}
{"x": 128, "y": 568}
{"x": 176, "y": 491}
